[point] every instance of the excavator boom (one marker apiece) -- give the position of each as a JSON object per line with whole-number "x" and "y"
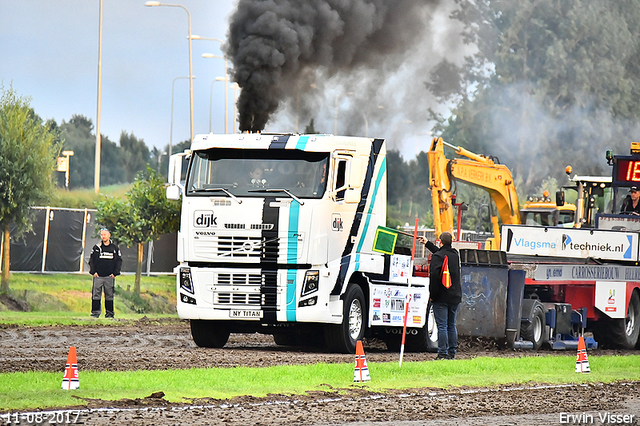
{"x": 476, "y": 170}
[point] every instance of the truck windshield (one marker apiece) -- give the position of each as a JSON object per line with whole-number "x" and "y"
{"x": 248, "y": 172}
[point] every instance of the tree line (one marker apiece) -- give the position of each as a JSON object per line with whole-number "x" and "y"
{"x": 550, "y": 83}
{"x": 119, "y": 162}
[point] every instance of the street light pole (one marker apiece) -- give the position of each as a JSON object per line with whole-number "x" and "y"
{"x": 226, "y": 79}
{"x": 160, "y": 154}
{"x": 157, "y": 3}
{"x": 235, "y": 88}
{"x": 226, "y": 95}
{"x": 171, "y": 130}
{"x": 96, "y": 177}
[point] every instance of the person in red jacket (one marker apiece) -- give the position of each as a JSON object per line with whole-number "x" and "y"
{"x": 104, "y": 264}
{"x": 445, "y": 292}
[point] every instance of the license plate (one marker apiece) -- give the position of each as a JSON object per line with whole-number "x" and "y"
{"x": 245, "y": 314}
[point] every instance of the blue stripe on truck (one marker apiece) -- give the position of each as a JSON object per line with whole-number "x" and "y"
{"x": 292, "y": 257}
{"x": 302, "y": 142}
{"x": 383, "y": 168}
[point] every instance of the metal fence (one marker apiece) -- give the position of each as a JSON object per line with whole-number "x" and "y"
{"x": 61, "y": 241}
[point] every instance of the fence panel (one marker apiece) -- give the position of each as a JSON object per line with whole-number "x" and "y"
{"x": 61, "y": 238}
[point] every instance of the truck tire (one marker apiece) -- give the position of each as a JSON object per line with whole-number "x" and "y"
{"x": 624, "y": 332}
{"x": 209, "y": 334}
{"x": 285, "y": 339}
{"x": 343, "y": 337}
{"x": 533, "y": 322}
{"x": 427, "y": 338}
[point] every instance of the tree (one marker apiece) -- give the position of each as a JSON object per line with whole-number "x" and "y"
{"x": 142, "y": 216}
{"x": 28, "y": 158}
{"x": 548, "y": 79}
{"x": 78, "y": 137}
{"x": 134, "y": 155}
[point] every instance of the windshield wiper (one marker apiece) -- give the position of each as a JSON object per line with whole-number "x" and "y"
{"x": 286, "y": 191}
{"x": 217, "y": 190}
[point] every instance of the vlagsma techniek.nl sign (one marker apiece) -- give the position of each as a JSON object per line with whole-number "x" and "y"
{"x": 563, "y": 242}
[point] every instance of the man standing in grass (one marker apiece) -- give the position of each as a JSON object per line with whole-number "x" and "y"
{"x": 445, "y": 291}
{"x": 104, "y": 264}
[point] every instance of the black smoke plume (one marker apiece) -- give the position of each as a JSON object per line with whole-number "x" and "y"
{"x": 273, "y": 43}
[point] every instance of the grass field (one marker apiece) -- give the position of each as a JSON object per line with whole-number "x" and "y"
{"x": 65, "y": 299}
{"x": 20, "y": 391}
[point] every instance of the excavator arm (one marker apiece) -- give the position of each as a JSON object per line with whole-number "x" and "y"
{"x": 476, "y": 170}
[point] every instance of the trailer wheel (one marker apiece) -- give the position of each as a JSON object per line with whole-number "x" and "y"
{"x": 427, "y": 338}
{"x": 533, "y": 322}
{"x": 209, "y": 334}
{"x": 624, "y": 332}
{"x": 343, "y": 337}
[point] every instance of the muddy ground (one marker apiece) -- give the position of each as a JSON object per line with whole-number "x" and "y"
{"x": 152, "y": 345}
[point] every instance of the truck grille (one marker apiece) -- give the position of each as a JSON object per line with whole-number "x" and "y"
{"x": 238, "y": 289}
{"x": 229, "y": 247}
{"x": 240, "y": 279}
{"x": 239, "y": 299}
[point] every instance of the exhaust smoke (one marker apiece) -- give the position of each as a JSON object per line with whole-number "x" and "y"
{"x": 273, "y": 44}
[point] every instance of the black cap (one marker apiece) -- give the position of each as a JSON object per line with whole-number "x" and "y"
{"x": 634, "y": 188}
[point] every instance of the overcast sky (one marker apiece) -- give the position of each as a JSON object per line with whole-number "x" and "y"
{"x": 49, "y": 52}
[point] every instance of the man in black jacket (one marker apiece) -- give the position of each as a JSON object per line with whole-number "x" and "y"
{"x": 104, "y": 264}
{"x": 445, "y": 292}
{"x": 631, "y": 204}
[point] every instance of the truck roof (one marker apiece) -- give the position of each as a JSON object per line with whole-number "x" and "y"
{"x": 312, "y": 143}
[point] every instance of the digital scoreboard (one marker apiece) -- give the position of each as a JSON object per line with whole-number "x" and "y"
{"x": 626, "y": 171}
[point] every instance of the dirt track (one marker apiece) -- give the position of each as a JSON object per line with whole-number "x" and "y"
{"x": 146, "y": 345}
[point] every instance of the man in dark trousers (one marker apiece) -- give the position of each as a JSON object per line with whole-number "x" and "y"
{"x": 445, "y": 292}
{"x": 104, "y": 264}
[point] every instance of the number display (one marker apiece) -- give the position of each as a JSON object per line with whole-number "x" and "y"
{"x": 627, "y": 171}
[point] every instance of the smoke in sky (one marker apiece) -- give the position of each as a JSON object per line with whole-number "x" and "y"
{"x": 303, "y": 51}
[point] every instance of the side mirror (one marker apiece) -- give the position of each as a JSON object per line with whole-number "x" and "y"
{"x": 352, "y": 195}
{"x": 559, "y": 198}
{"x": 355, "y": 173}
{"x": 173, "y": 192}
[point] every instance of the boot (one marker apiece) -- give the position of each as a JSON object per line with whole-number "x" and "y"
{"x": 95, "y": 308}
{"x": 108, "y": 307}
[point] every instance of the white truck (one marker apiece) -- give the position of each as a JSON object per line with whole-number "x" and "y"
{"x": 276, "y": 237}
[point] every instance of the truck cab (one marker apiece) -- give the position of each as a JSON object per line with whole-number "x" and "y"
{"x": 276, "y": 237}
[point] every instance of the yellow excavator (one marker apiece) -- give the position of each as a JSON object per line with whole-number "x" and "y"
{"x": 476, "y": 170}
{"x": 496, "y": 179}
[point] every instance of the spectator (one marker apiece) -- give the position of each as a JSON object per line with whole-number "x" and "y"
{"x": 104, "y": 264}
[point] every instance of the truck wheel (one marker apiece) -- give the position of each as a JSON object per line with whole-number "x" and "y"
{"x": 427, "y": 338}
{"x": 533, "y": 322}
{"x": 209, "y": 334}
{"x": 624, "y": 332}
{"x": 343, "y": 337}
{"x": 285, "y": 339}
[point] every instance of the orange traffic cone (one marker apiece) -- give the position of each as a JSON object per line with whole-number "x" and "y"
{"x": 582, "y": 362}
{"x": 70, "y": 379}
{"x": 361, "y": 373}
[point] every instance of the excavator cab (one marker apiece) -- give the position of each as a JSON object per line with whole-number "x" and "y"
{"x": 541, "y": 211}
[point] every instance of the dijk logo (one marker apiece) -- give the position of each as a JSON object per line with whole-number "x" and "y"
{"x": 204, "y": 219}
{"x": 336, "y": 223}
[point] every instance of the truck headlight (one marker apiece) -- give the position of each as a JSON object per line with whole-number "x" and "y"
{"x": 310, "y": 284}
{"x": 185, "y": 280}
{"x": 308, "y": 302}
{"x": 187, "y": 299}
